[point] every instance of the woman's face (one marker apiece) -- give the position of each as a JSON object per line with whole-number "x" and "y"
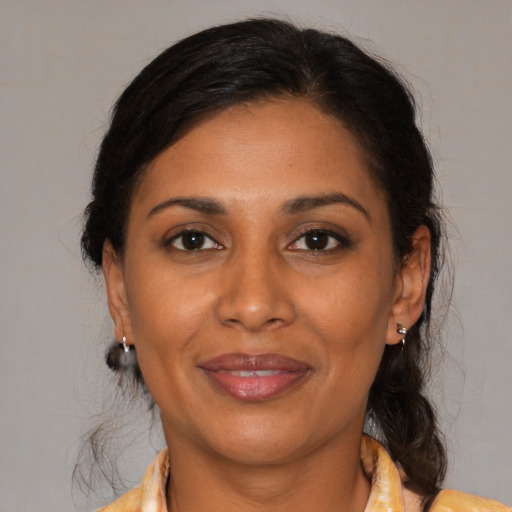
{"x": 258, "y": 283}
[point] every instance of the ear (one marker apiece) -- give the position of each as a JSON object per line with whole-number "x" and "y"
{"x": 411, "y": 286}
{"x": 116, "y": 293}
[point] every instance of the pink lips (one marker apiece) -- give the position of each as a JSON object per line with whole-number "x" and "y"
{"x": 254, "y": 377}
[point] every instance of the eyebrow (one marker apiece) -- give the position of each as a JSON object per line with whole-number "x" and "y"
{"x": 200, "y": 204}
{"x": 306, "y": 203}
{"x": 299, "y": 204}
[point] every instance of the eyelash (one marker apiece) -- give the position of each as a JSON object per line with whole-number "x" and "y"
{"x": 182, "y": 234}
{"x": 341, "y": 241}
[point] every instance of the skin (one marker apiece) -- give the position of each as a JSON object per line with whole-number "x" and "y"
{"x": 256, "y": 287}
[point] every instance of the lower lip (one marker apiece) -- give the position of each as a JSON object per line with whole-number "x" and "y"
{"x": 255, "y": 388}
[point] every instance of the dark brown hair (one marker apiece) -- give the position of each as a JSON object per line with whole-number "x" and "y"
{"x": 251, "y": 60}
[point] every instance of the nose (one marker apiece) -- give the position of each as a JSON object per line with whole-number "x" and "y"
{"x": 254, "y": 294}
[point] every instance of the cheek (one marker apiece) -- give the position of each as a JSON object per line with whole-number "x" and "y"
{"x": 164, "y": 305}
{"x": 353, "y": 304}
{"x": 166, "y": 316}
{"x": 351, "y": 317}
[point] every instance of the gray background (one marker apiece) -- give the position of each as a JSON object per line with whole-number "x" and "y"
{"x": 62, "y": 65}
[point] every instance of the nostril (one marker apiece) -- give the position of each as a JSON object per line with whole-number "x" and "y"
{"x": 247, "y": 323}
{"x": 272, "y": 323}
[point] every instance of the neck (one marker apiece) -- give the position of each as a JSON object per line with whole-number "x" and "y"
{"x": 327, "y": 479}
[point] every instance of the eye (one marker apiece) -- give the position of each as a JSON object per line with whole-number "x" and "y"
{"x": 193, "y": 241}
{"x": 319, "y": 240}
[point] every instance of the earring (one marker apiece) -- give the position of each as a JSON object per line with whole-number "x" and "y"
{"x": 401, "y": 329}
{"x": 125, "y": 346}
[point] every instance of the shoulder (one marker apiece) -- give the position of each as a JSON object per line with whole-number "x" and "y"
{"x": 129, "y": 502}
{"x": 455, "y": 501}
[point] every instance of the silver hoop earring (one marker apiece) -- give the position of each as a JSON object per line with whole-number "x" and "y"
{"x": 401, "y": 329}
{"x": 125, "y": 346}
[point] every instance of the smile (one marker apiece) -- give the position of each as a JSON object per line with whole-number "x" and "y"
{"x": 254, "y": 378}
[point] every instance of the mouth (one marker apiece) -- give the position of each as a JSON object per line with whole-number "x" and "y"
{"x": 254, "y": 378}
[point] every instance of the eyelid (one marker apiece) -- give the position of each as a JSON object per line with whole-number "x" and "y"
{"x": 168, "y": 242}
{"x": 343, "y": 241}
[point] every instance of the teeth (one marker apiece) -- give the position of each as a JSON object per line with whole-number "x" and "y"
{"x": 267, "y": 373}
{"x": 242, "y": 373}
{"x": 255, "y": 373}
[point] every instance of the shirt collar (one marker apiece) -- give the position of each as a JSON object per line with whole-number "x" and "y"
{"x": 154, "y": 483}
{"x": 386, "y": 484}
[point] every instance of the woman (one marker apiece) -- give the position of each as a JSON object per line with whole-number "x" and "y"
{"x": 263, "y": 214}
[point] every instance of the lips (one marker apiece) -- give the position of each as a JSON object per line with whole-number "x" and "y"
{"x": 254, "y": 378}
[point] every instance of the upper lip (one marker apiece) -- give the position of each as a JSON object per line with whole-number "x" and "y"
{"x": 255, "y": 362}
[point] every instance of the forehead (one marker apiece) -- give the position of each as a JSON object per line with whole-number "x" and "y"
{"x": 270, "y": 149}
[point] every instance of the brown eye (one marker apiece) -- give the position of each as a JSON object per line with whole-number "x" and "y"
{"x": 320, "y": 240}
{"x": 316, "y": 240}
{"x": 193, "y": 241}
